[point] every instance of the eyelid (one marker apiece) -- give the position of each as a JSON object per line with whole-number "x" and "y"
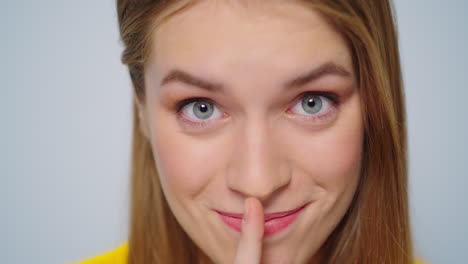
{"x": 194, "y": 122}
{"x": 333, "y": 101}
{"x": 334, "y": 98}
{"x": 187, "y": 101}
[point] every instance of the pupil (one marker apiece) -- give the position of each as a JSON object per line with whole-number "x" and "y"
{"x": 203, "y": 108}
{"x": 311, "y": 102}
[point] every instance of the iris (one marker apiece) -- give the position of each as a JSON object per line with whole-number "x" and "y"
{"x": 203, "y": 110}
{"x": 312, "y": 104}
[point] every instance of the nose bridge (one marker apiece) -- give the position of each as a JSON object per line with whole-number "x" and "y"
{"x": 257, "y": 168}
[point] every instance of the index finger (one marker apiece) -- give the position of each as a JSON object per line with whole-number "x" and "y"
{"x": 249, "y": 248}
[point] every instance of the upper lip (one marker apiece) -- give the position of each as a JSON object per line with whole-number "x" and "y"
{"x": 267, "y": 217}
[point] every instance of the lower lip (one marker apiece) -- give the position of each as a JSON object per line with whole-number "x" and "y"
{"x": 272, "y": 226}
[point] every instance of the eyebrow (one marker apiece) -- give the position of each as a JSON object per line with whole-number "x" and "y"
{"x": 184, "y": 77}
{"x": 325, "y": 69}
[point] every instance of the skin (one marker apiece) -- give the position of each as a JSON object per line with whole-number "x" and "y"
{"x": 258, "y": 149}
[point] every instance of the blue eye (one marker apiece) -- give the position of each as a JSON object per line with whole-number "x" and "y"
{"x": 200, "y": 110}
{"x": 203, "y": 110}
{"x": 313, "y": 104}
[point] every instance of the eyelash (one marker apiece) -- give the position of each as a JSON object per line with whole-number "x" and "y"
{"x": 334, "y": 100}
{"x": 180, "y": 105}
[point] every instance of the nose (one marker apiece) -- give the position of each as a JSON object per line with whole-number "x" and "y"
{"x": 258, "y": 167}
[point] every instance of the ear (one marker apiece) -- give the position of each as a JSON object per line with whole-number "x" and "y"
{"x": 140, "y": 108}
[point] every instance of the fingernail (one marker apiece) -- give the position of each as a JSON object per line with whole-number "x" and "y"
{"x": 247, "y": 206}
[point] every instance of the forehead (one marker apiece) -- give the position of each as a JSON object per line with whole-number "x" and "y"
{"x": 212, "y": 37}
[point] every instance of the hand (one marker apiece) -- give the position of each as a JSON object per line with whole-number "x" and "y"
{"x": 249, "y": 249}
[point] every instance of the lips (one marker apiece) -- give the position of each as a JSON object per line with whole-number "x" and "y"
{"x": 274, "y": 222}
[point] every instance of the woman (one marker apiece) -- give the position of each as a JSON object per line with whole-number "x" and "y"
{"x": 265, "y": 132}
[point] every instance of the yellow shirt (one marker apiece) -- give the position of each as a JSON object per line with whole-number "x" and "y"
{"x": 116, "y": 256}
{"x": 119, "y": 256}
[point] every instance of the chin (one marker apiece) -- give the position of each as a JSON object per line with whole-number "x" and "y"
{"x": 282, "y": 255}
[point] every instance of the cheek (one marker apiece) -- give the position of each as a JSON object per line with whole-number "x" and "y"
{"x": 331, "y": 159}
{"x": 339, "y": 158}
{"x": 185, "y": 164}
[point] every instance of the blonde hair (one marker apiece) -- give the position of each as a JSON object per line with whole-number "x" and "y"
{"x": 376, "y": 227}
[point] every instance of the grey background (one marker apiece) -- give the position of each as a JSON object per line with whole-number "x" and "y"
{"x": 65, "y": 129}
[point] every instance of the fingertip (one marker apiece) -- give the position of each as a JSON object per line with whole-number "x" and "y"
{"x": 253, "y": 216}
{"x": 256, "y": 208}
{"x": 247, "y": 210}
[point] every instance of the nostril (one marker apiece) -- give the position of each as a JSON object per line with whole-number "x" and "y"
{"x": 264, "y": 192}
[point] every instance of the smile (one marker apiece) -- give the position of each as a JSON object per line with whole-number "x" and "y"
{"x": 274, "y": 222}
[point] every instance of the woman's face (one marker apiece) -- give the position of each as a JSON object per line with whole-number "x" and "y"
{"x": 254, "y": 100}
